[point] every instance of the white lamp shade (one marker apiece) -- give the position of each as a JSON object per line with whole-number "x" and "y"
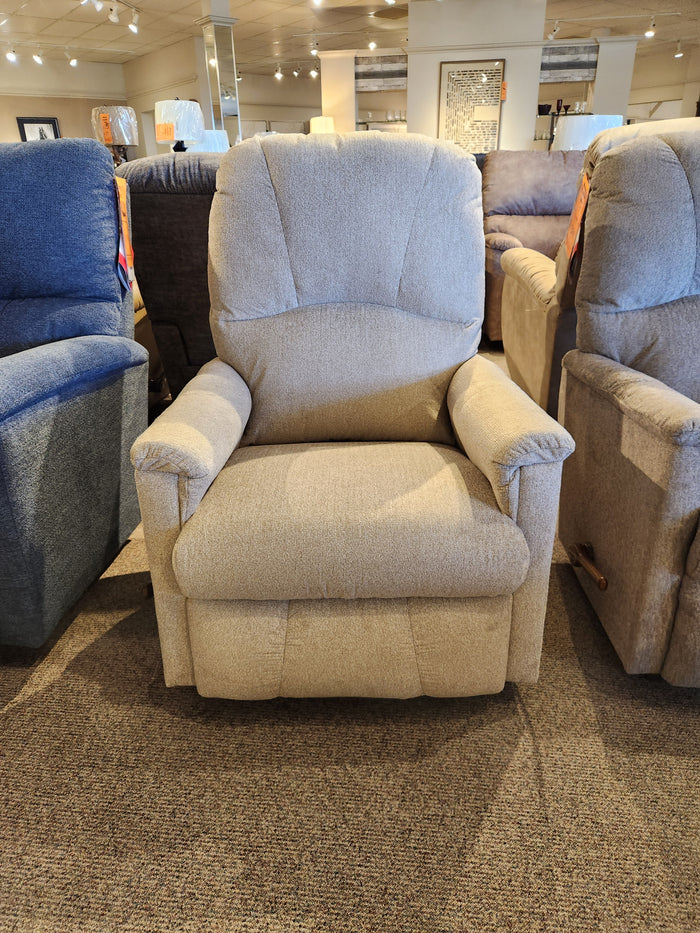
{"x": 179, "y": 119}
{"x": 115, "y": 126}
{"x": 577, "y": 131}
{"x": 322, "y": 125}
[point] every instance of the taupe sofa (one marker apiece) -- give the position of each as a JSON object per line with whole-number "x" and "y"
{"x": 349, "y": 500}
{"x": 527, "y": 198}
{"x": 631, "y": 399}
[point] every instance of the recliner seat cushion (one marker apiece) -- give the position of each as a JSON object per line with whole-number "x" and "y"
{"x": 349, "y": 520}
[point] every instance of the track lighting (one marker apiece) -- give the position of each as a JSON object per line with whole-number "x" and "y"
{"x": 295, "y": 72}
{"x": 278, "y": 73}
{"x": 239, "y": 76}
{"x": 11, "y": 55}
{"x": 72, "y": 61}
{"x": 651, "y": 29}
{"x": 679, "y": 51}
{"x": 390, "y": 2}
{"x": 113, "y": 14}
{"x": 38, "y": 58}
{"x": 314, "y": 72}
{"x": 134, "y": 24}
{"x": 372, "y": 45}
{"x": 314, "y": 48}
{"x": 554, "y": 31}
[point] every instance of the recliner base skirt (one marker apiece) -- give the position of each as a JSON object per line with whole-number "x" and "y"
{"x": 255, "y": 650}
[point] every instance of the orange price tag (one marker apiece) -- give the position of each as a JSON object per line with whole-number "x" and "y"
{"x": 504, "y": 90}
{"x": 165, "y": 132}
{"x": 572, "y": 234}
{"x": 106, "y": 128}
{"x": 126, "y": 252}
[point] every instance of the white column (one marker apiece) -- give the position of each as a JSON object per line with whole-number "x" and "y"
{"x": 338, "y": 89}
{"x": 613, "y": 77}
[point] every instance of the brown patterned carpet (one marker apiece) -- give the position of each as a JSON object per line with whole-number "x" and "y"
{"x": 572, "y": 805}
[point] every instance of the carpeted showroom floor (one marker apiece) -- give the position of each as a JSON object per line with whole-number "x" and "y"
{"x": 569, "y": 805}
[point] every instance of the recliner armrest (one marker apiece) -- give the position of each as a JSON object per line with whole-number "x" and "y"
{"x": 501, "y": 241}
{"x": 195, "y": 436}
{"x": 501, "y": 429}
{"x": 657, "y": 407}
{"x": 534, "y": 271}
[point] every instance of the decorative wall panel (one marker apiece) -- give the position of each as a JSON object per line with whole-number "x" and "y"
{"x": 470, "y": 103}
{"x": 381, "y": 73}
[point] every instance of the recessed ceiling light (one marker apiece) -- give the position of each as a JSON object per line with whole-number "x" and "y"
{"x": 372, "y": 45}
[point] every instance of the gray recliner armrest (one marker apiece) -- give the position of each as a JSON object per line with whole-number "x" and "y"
{"x": 502, "y": 430}
{"x": 534, "y": 271}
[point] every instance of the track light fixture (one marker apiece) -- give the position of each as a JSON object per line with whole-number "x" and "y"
{"x": 278, "y": 73}
{"x": 72, "y": 60}
{"x": 11, "y": 55}
{"x": 113, "y": 16}
{"x": 679, "y": 51}
{"x": 314, "y": 72}
{"x": 372, "y": 45}
{"x": 134, "y": 24}
{"x": 651, "y": 28}
{"x": 314, "y": 48}
{"x": 38, "y": 58}
{"x": 295, "y": 72}
{"x": 554, "y": 31}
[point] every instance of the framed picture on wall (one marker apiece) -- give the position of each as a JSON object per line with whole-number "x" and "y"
{"x": 471, "y": 95}
{"x": 38, "y": 128}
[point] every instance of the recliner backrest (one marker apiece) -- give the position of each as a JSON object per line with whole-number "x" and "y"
{"x": 638, "y": 294}
{"x": 59, "y": 244}
{"x": 346, "y": 277}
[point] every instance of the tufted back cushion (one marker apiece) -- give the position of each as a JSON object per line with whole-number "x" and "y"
{"x": 346, "y": 279}
{"x": 638, "y": 294}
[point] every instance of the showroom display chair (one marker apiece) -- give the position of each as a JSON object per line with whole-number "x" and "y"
{"x": 170, "y": 202}
{"x": 630, "y": 501}
{"x": 528, "y": 197}
{"x": 73, "y": 382}
{"x": 538, "y": 313}
{"x": 348, "y": 500}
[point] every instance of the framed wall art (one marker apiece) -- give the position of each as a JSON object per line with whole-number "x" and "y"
{"x": 471, "y": 95}
{"x": 38, "y": 128}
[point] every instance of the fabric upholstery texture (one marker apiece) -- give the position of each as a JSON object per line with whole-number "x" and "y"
{"x": 170, "y": 202}
{"x": 344, "y": 521}
{"x": 312, "y": 523}
{"x": 527, "y": 198}
{"x": 72, "y": 382}
{"x": 632, "y": 489}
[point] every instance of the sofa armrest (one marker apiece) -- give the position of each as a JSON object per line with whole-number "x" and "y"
{"x": 534, "y": 271}
{"x": 662, "y": 411}
{"x": 501, "y": 241}
{"x": 501, "y": 429}
{"x": 195, "y": 436}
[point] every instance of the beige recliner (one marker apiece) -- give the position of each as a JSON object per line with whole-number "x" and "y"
{"x": 538, "y": 314}
{"x": 630, "y": 502}
{"x": 348, "y": 500}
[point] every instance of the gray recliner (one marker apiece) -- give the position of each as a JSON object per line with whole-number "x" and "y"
{"x": 348, "y": 500}
{"x": 630, "y": 502}
{"x": 538, "y": 313}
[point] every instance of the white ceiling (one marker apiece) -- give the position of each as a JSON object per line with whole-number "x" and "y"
{"x": 269, "y": 32}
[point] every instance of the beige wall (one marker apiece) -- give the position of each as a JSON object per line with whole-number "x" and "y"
{"x": 74, "y": 114}
{"x": 263, "y": 97}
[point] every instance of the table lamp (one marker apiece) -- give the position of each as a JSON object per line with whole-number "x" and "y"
{"x": 178, "y": 121}
{"x": 116, "y": 127}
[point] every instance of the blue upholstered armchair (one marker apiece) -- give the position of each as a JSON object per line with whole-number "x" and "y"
{"x": 73, "y": 384}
